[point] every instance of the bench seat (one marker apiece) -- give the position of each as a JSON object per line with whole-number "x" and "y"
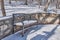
{"x": 26, "y": 22}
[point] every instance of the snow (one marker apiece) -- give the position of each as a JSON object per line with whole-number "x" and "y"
{"x": 26, "y": 22}
{"x": 6, "y": 17}
{"x": 38, "y": 32}
{"x": 18, "y": 7}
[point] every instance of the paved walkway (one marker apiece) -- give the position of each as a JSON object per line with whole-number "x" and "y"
{"x": 42, "y": 32}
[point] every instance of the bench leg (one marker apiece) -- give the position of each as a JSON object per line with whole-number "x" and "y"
{"x": 13, "y": 30}
{"x": 23, "y": 32}
{"x": 59, "y": 18}
{"x": 0, "y": 39}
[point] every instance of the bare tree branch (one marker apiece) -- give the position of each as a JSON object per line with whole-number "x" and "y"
{"x": 46, "y": 7}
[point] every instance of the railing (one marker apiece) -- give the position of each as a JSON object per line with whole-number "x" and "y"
{"x": 5, "y": 26}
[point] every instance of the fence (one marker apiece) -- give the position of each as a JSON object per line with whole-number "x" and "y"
{"x": 5, "y": 26}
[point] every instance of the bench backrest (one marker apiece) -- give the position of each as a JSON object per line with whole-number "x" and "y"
{"x": 18, "y": 17}
{"x": 42, "y": 17}
{"x": 31, "y": 16}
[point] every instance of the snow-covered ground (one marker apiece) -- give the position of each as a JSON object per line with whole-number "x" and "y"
{"x": 16, "y": 7}
{"x": 40, "y": 32}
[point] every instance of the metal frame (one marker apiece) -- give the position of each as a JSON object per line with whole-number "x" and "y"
{"x": 25, "y": 17}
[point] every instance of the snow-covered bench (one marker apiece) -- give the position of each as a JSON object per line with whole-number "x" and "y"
{"x": 5, "y": 26}
{"x": 23, "y": 21}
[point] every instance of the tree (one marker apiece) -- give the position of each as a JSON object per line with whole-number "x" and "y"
{"x": 2, "y": 8}
{"x": 38, "y": 3}
{"x": 26, "y": 2}
{"x": 9, "y": 1}
{"x": 57, "y": 4}
{"x": 46, "y": 7}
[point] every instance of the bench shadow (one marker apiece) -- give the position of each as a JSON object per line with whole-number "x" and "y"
{"x": 35, "y": 28}
{"x": 46, "y": 36}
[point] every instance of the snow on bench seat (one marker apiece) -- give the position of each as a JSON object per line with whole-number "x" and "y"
{"x": 26, "y": 22}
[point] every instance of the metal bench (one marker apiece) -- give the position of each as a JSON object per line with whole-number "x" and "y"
{"x": 24, "y": 21}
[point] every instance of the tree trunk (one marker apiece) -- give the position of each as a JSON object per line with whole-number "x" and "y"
{"x": 26, "y": 2}
{"x": 2, "y": 8}
{"x": 46, "y": 7}
{"x": 57, "y": 4}
{"x": 9, "y": 1}
{"x": 39, "y": 1}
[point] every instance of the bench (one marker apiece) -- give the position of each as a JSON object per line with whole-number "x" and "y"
{"x": 23, "y": 21}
